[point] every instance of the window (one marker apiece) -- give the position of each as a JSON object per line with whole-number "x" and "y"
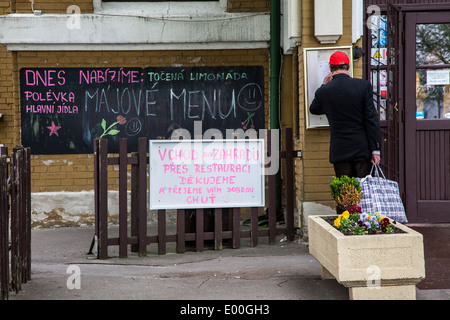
{"x": 378, "y": 62}
{"x": 433, "y": 71}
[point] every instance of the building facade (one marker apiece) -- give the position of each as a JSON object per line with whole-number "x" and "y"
{"x": 228, "y": 39}
{"x": 404, "y": 46}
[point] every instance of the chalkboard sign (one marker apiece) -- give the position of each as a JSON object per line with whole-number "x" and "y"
{"x": 64, "y": 109}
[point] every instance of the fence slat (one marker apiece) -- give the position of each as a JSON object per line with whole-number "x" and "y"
{"x": 4, "y": 229}
{"x": 123, "y": 198}
{"x": 142, "y": 158}
{"x": 14, "y": 226}
{"x": 199, "y": 229}
{"x": 218, "y": 229}
{"x": 22, "y": 215}
{"x": 162, "y": 232}
{"x": 134, "y": 211}
{"x": 181, "y": 232}
{"x": 103, "y": 199}
{"x": 18, "y": 214}
{"x": 94, "y": 243}
{"x": 27, "y": 196}
{"x": 254, "y": 227}
{"x": 236, "y": 227}
{"x": 272, "y": 210}
{"x": 289, "y": 184}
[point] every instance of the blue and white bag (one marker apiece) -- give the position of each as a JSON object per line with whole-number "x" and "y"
{"x": 381, "y": 195}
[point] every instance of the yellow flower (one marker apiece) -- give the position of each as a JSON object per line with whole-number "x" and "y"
{"x": 345, "y": 214}
{"x": 337, "y": 222}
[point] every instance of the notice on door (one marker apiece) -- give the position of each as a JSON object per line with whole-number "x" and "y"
{"x": 438, "y": 77}
{"x": 206, "y": 173}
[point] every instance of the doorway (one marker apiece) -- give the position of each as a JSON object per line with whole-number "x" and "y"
{"x": 427, "y": 116}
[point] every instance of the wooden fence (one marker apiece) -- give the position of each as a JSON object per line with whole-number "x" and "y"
{"x": 226, "y": 227}
{"x": 15, "y": 220}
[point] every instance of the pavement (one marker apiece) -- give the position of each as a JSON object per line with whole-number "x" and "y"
{"x": 62, "y": 269}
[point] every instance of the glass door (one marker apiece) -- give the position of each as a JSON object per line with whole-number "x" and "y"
{"x": 427, "y": 116}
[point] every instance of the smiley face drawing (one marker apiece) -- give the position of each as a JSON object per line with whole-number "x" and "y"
{"x": 133, "y": 127}
{"x": 250, "y": 97}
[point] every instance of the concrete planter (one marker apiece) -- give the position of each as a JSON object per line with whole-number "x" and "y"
{"x": 386, "y": 266}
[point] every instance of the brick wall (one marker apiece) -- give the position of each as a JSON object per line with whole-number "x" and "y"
{"x": 5, "y": 7}
{"x": 248, "y": 6}
{"x": 8, "y": 121}
{"x": 52, "y": 6}
{"x": 86, "y": 6}
{"x": 75, "y": 172}
{"x": 6, "y": 89}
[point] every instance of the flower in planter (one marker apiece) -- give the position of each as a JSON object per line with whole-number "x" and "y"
{"x": 353, "y": 221}
{"x": 354, "y": 209}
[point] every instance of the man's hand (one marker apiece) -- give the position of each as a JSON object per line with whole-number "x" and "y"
{"x": 376, "y": 159}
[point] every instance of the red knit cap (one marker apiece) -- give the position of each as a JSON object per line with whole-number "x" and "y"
{"x": 338, "y": 58}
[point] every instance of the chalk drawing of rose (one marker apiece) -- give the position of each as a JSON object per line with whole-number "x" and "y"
{"x": 110, "y": 131}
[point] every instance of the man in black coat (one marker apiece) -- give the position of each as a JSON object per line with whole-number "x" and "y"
{"x": 353, "y": 119}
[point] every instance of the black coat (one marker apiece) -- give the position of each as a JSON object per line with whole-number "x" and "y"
{"x": 354, "y": 125}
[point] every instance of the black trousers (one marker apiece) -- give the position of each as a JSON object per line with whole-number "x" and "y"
{"x": 358, "y": 168}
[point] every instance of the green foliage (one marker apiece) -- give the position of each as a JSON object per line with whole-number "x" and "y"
{"x": 337, "y": 183}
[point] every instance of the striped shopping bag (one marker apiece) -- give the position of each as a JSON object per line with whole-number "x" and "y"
{"x": 381, "y": 195}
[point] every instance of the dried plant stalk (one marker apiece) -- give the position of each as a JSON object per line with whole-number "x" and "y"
{"x": 349, "y": 196}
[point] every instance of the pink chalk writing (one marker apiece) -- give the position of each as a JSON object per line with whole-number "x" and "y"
{"x": 207, "y": 180}
{"x": 50, "y": 108}
{"x": 48, "y": 78}
{"x": 50, "y": 96}
{"x": 178, "y": 168}
{"x": 215, "y": 154}
{"x": 179, "y": 154}
{"x": 200, "y": 199}
{"x": 235, "y": 154}
{"x": 182, "y": 190}
{"x": 217, "y": 167}
{"x": 103, "y": 76}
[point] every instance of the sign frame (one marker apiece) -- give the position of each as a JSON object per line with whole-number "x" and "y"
{"x": 176, "y": 173}
{"x": 312, "y": 81}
